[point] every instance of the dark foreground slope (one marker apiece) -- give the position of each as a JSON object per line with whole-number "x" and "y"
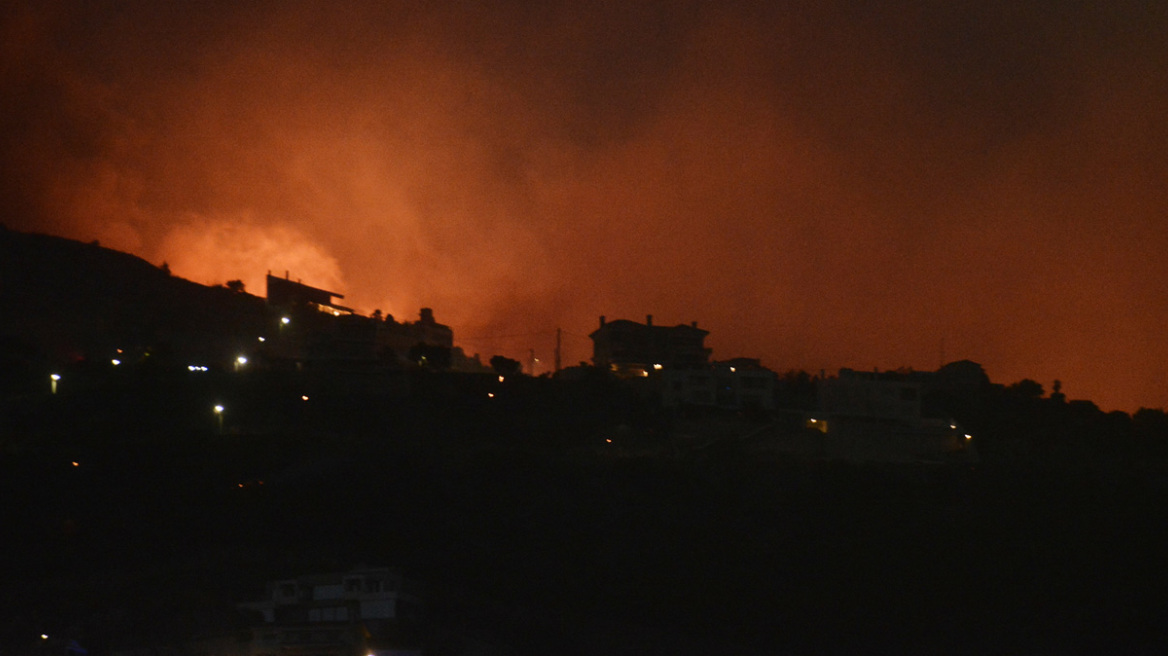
{"x": 529, "y": 532}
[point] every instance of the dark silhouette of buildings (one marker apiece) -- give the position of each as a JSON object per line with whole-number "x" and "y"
{"x": 286, "y": 295}
{"x": 879, "y": 416}
{"x": 629, "y": 349}
{"x": 736, "y": 384}
{"x": 310, "y": 329}
{"x": 676, "y": 365}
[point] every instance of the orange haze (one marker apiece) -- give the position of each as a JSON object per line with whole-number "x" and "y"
{"x": 817, "y": 184}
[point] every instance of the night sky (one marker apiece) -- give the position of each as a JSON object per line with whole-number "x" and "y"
{"x": 818, "y": 184}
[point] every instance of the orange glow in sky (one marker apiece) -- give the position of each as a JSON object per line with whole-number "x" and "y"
{"x": 819, "y": 185}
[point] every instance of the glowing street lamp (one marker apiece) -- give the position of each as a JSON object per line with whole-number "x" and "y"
{"x": 53, "y": 382}
{"x": 219, "y": 415}
{"x": 240, "y": 362}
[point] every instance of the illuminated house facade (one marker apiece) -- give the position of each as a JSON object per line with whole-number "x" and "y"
{"x": 632, "y": 349}
{"x": 359, "y": 612}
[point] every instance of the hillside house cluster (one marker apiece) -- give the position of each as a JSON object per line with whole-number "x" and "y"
{"x": 311, "y": 329}
{"x": 675, "y": 363}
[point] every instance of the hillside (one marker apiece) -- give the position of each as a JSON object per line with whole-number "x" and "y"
{"x": 68, "y": 302}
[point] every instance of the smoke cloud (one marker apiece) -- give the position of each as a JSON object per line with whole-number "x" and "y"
{"x": 818, "y": 184}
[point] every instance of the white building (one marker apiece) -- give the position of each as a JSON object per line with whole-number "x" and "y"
{"x": 871, "y": 395}
{"x": 877, "y": 416}
{"x": 734, "y": 384}
{"x": 353, "y": 613}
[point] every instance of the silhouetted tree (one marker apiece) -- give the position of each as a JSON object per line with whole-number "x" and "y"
{"x": 1056, "y": 392}
{"x": 235, "y": 286}
{"x": 1151, "y": 423}
{"x": 1027, "y": 389}
{"x": 505, "y": 366}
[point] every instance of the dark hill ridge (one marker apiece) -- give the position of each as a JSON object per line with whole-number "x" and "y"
{"x": 65, "y": 301}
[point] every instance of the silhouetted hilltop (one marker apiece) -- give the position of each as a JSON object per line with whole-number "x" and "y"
{"x": 68, "y": 302}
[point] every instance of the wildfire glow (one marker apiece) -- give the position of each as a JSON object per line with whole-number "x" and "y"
{"x": 817, "y": 187}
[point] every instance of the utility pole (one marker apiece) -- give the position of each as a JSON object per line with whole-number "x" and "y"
{"x": 558, "y": 335}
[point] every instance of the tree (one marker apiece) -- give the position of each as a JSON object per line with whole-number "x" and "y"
{"x": 235, "y": 286}
{"x": 505, "y": 366}
{"x": 1057, "y": 392}
{"x": 1027, "y": 389}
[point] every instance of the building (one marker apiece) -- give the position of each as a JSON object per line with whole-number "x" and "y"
{"x": 399, "y": 339}
{"x": 871, "y": 395}
{"x": 288, "y": 296}
{"x": 877, "y": 416}
{"x": 631, "y": 349}
{"x": 309, "y": 329}
{"x": 359, "y": 612}
{"x": 738, "y": 384}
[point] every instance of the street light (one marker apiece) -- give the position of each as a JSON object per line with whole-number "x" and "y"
{"x": 219, "y": 415}
{"x": 53, "y": 381}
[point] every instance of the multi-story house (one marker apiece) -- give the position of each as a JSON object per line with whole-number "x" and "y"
{"x": 359, "y": 612}
{"x": 631, "y": 349}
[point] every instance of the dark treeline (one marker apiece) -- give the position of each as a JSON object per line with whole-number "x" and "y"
{"x": 573, "y": 517}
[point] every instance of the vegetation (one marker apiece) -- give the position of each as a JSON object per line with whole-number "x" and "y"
{"x": 563, "y": 515}
{"x": 528, "y": 528}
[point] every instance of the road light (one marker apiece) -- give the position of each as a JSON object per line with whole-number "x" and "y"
{"x": 219, "y": 415}
{"x": 53, "y": 381}
{"x": 240, "y": 362}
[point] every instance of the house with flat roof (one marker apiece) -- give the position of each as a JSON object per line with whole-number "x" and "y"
{"x": 357, "y": 612}
{"x": 630, "y": 349}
